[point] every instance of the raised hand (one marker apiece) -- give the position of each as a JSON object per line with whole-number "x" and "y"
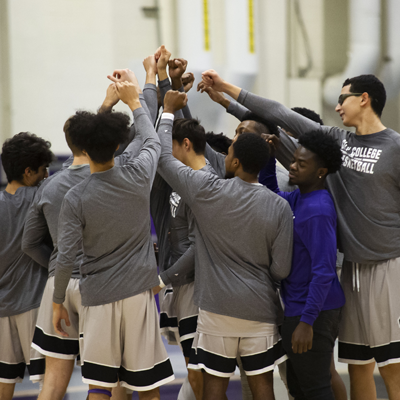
{"x": 213, "y": 80}
{"x": 174, "y": 101}
{"x": 150, "y": 64}
{"x": 128, "y": 92}
{"x": 123, "y": 75}
{"x": 218, "y": 97}
{"x": 177, "y": 68}
{"x": 273, "y": 142}
{"x": 111, "y": 99}
{"x": 162, "y": 56}
{"x": 187, "y": 81}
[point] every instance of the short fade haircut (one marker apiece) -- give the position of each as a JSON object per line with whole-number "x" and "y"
{"x": 100, "y": 134}
{"x": 310, "y": 114}
{"x": 371, "y": 85}
{"x": 262, "y": 124}
{"x": 76, "y": 126}
{"x": 324, "y": 147}
{"x": 252, "y": 151}
{"x": 190, "y": 128}
{"x": 219, "y": 142}
{"x": 22, "y": 151}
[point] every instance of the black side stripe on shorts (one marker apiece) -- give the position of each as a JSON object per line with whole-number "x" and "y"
{"x": 188, "y": 325}
{"x": 147, "y": 377}
{"x": 364, "y": 353}
{"x": 37, "y": 367}
{"x": 262, "y": 360}
{"x": 100, "y": 373}
{"x": 166, "y": 322}
{"x": 212, "y": 361}
{"x": 187, "y": 347}
{"x": 55, "y": 344}
{"x": 12, "y": 371}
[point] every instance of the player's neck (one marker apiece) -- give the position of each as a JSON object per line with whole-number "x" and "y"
{"x": 245, "y": 176}
{"x": 196, "y": 162}
{"x": 318, "y": 185}
{"x": 369, "y": 123}
{"x": 13, "y": 186}
{"x": 97, "y": 167}
{"x": 80, "y": 160}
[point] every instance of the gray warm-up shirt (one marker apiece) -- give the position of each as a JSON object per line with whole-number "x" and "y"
{"x": 243, "y": 238}
{"x": 366, "y": 189}
{"x": 109, "y": 212}
{"x": 22, "y": 280}
{"x": 44, "y": 214}
{"x": 182, "y": 232}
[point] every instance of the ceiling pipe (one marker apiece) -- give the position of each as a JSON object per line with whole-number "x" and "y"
{"x": 364, "y": 49}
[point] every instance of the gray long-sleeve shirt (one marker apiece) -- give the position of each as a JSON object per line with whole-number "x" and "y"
{"x": 22, "y": 280}
{"x": 109, "y": 212}
{"x": 243, "y": 243}
{"x": 182, "y": 232}
{"x": 44, "y": 214}
{"x": 366, "y": 190}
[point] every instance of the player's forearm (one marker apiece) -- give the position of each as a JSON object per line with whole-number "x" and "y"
{"x": 62, "y": 276}
{"x": 150, "y": 96}
{"x": 277, "y": 113}
{"x": 182, "y": 271}
{"x": 231, "y": 90}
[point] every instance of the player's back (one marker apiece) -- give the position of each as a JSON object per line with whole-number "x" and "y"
{"x": 21, "y": 279}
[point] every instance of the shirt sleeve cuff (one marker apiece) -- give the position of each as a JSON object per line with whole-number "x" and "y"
{"x": 162, "y": 284}
{"x": 168, "y": 116}
{"x": 308, "y": 319}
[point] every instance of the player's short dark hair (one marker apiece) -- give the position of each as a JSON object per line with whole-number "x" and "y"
{"x": 22, "y": 151}
{"x": 190, "y": 128}
{"x": 371, "y": 85}
{"x": 75, "y": 126}
{"x": 100, "y": 134}
{"x": 324, "y": 147}
{"x": 218, "y": 141}
{"x": 262, "y": 125}
{"x": 252, "y": 152}
{"x": 310, "y": 114}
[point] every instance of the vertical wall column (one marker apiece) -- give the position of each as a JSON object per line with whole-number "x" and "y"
{"x": 5, "y": 89}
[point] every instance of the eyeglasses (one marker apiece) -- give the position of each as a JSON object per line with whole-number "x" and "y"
{"x": 343, "y": 97}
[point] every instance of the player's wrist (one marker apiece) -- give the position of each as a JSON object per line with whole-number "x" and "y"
{"x": 169, "y": 109}
{"x": 134, "y": 104}
{"x": 161, "y": 283}
{"x": 225, "y": 103}
{"x": 162, "y": 73}
{"x": 176, "y": 83}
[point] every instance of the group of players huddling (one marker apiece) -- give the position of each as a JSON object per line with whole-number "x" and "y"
{"x": 247, "y": 249}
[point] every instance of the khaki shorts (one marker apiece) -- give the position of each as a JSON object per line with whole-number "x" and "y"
{"x": 370, "y": 327}
{"x": 122, "y": 341}
{"x": 46, "y": 340}
{"x": 178, "y": 315}
{"x": 216, "y": 354}
{"x": 16, "y": 334}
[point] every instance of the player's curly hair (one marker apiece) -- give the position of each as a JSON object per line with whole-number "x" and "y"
{"x": 74, "y": 127}
{"x": 252, "y": 152}
{"x": 99, "y": 134}
{"x": 324, "y": 147}
{"x": 310, "y": 114}
{"x": 22, "y": 151}
{"x": 218, "y": 141}
{"x": 262, "y": 125}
